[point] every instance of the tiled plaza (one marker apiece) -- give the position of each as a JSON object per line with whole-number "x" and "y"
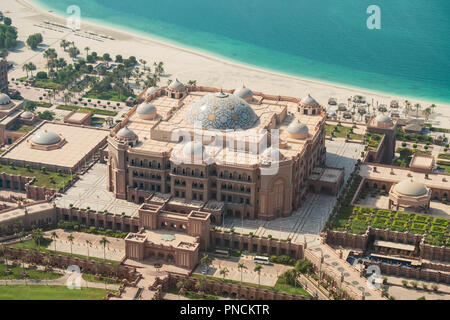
{"x": 90, "y": 191}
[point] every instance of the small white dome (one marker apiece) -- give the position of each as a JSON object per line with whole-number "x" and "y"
{"x": 46, "y": 138}
{"x": 193, "y": 148}
{"x": 297, "y": 128}
{"x": 125, "y": 133}
{"x": 4, "y": 99}
{"x": 382, "y": 118}
{"x": 26, "y": 115}
{"x": 243, "y": 93}
{"x": 308, "y": 100}
{"x": 176, "y": 85}
{"x": 411, "y": 188}
{"x": 146, "y": 108}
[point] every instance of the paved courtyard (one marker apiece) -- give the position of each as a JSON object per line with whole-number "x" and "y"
{"x": 269, "y": 273}
{"x": 306, "y": 222}
{"x": 90, "y": 191}
{"x": 115, "y": 249}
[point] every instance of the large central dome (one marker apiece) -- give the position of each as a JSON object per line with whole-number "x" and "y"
{"x": 221, "y": 111}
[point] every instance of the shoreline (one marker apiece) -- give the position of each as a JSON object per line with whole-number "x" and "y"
{"x": 275, "y": 82}
{"x": 217, "y": 57}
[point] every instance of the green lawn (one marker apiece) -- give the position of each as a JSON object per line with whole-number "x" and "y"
{"x": 106, "y": 95}
{"x": 22, "y": 128}
{"x": 48, "y": 179}
{"x": 341, "y": 132}
{"x": 36, "y": 104}
{"x": 279, "y": 286}
{"x": 93, "y": 110}
{"x": 97, "y": 120}
{"x": 194, "y": 295}
{"x": 374, "y": 140}
{"x": 444, "y": 166}
{"x": 47, "y": 84}
{"x": 283, "y": 287}
{"x": 33, "y": 274}
{"x": 47, "y": 246}
{"x": 91, "y": 278}
{"x": 43, "y": 292}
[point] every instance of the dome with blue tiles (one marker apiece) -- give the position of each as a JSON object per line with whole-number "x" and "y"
{"x": 221, "y": 111}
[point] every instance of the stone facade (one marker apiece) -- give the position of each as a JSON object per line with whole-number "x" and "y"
{"x": 136, "y": 171}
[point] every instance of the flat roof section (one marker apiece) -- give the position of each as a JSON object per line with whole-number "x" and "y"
{"x": 79, "y": 142}
{"x": 394, "y": 245}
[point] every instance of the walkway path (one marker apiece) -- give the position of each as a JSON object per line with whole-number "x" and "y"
{"x": 353, "y": 282}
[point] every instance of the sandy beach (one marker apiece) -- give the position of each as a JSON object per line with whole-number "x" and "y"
{"x": 182, "y": 63}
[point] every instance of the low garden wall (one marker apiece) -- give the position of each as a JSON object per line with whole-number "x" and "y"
{"x": 63, "y": 262}
{"x": 261, "y": 246}
{"x": 419, "y": 274}
{"x": 230, "y": 289}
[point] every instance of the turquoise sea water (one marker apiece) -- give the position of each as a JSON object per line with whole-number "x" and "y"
{"x": 325, "y": 40}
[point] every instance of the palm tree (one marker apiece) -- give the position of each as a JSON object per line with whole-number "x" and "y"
{"x": 206, "y": 261}
{"x": 181, "y": 283}
{"x": 37, "y": 236}
{"x": 104, "y": 242}
{"x": 201, "y": 286}
{"x": 54, "y": 236}
{"x": 88, "y": 244}
{"x": 258, "y": 270}
{"x": 87, "y": 51}
{"x": 64, "y": 44}
{"x": 70, "y": 239}
{"x": 241, "y": 267}
{"x": 26, "y": 68}
{"x": 427, "y": 112}
{"x": 31, "y": 67}
{"x": 224, "y": 272}
{"x": 143, "y": 62}
{"x": 417, "y": 106}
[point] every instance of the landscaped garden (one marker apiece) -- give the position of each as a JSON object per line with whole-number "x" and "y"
{"x": 44, "y": 292}
{"x": 93, "y": 110}
{"x": 436, "y": 229}
{"x": 44, "y": 178}
{"x": 22, "y": 128}
{"x": 405, "y": 156}
{"x": 373, "y": 140}
{"x": 341, "y": 131}
{"x": 15, "y": 272}
{"x": 46, "y": 246}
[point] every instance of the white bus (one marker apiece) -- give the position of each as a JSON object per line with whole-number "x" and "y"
{"x": 222, "y": 252}
{"x": 261, "y": 260}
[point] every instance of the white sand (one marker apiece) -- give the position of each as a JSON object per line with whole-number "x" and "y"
{"x": 184, "y": 64}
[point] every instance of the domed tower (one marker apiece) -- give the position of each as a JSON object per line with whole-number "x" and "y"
{"x": 176, "y": 90}
{"x": 126, "y": 136}
{"x": 118, "y": 144}
{"x": 298, "y": 130}
{"x": 244, "y": 93}
{"x": 309, "y": 106}
{"x": 384, "y": 125}
{"x": 146, "y": 111}
{"x": 409, "y": 193}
